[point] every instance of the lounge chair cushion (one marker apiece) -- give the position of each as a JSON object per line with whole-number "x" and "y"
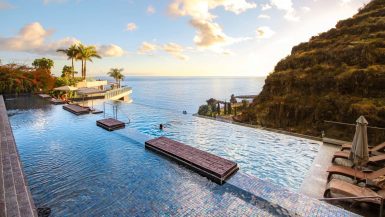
{"x": 339, "y": 187}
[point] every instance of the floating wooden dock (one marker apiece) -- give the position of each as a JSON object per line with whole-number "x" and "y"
{"x": 110, "y": 124}
{"x": 214, "y": 167}
{"x": 44, "y": 96}
{"x": 76, "y": 109}
{"x": 57, "y": 101}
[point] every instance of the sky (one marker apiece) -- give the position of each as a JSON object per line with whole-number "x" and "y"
{"x": 167, "y": 37}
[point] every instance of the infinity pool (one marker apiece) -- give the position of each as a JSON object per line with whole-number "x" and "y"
{"x": 75, "y": 167}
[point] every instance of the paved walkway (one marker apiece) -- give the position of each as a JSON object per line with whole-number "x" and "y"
{"x": 315, "y": 181}
{"x": 15, "y": 197}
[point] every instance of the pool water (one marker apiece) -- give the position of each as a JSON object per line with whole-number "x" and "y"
{"x": 75, "y": 167}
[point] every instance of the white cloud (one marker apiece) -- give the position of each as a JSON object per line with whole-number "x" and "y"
{"x": 264, "y": 32}
{"x": 32, "y": 38}
{"x": 150, "y": 9}
{"x": 50, "y": 48}
{"x": 110, "y": 50}
{"x": 266, "y": 7}
{"x": 147, "y": 48}
{"x": 264, "y": 16}
{"x": 305, "y": 9}
{"x": 131, "y": 27}
{"x": 5, "y": 5}
{"x": 209, "y": 33}
{"x": 287, "y": 6}
{"x": 175, "y": 50}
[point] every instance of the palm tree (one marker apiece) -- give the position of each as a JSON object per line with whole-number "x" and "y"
{"x": 116, "y": 74}
{"x": 86, "y": 53}
{"x": 71, "y": 53}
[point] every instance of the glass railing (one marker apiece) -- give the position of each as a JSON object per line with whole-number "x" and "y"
{"x": 346, "y": 131}
{"x": 115, "y": 92}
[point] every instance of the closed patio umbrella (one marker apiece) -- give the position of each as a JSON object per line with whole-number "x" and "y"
{"x": 359, "y": 153}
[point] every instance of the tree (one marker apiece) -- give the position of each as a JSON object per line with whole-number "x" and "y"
{"x": 67, "y": 71}
{"x": 71, "y": 53}
{"x": 203, "y": 110}
{"x": 233, "y": 100}
{"x": 43, "y": 63}
{"x": 86, "y": 53}
{"x": 116, "y": 74}
{"x": 211, "y": 101}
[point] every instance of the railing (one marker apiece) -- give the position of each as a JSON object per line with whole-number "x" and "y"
{"x": 346, "y": 131}
{"x": 115, "y": 110}
{"x": 115, "y": 92}
{"x": 358, "y": 198}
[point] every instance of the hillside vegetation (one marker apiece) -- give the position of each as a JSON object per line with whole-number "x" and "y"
{"x": 337, "y": 75}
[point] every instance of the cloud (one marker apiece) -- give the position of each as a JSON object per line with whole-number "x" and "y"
{"x": 175, "y": 50}
{"x": 209, "y": 33}
{"x": 264, "y": 16}
{"x": 150, "y": 9}
{"x": 131, "y": 27}
{"x": 305, "y": 9}
{"x": 5, "y": 5}
{"x": 147, "y": 48}
{"x": 287, "y": 6}
{"x": 50, "y": 48}
{"x": 264, "y": 32}
{"x": 266, "y": 7}
{"x": 32, "y": 38}
{"x": 110, "y": 50}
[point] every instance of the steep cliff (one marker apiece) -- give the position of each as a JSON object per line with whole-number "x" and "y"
{"x": 337, "y": 75}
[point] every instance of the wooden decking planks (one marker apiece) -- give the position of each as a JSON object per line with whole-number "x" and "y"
{"x": 214, "y": 167}
{"x": 76, "y": 109}
{"x": 15, "y": 197}
{"x": 44, "y": 96}
{"x": 110, "y": 124}
{"x": 57, "y": 101}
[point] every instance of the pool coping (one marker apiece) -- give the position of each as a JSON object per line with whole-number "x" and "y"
{"x": 15, "y": 196}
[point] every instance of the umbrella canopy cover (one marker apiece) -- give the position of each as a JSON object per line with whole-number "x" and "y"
{"x": 66, "y": 88}
{"x": 89, "y": 91}
{"x": 359, "y": 153}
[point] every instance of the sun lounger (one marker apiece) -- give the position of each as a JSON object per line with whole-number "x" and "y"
{"x": 345, "y": 155}
{"x": 380, "y": 147}
{"x": 345, "y": 189}
{"x": 351, "y": 172}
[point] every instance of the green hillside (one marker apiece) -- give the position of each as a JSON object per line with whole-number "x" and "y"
{"x": 337, "y": 75}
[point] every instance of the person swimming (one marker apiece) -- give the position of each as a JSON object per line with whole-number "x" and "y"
{"x": 160, "y": 126}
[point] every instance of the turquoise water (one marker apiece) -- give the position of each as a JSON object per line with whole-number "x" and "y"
{"x": 75, "y": 167}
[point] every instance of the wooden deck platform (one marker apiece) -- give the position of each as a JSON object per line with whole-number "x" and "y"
{"x": 110, "y": 124}
{"x": 76, "y": 109}
{"x": 57, "y": 101}
{"x": 214, "y": 167}
{"x": 44, "y": 96}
